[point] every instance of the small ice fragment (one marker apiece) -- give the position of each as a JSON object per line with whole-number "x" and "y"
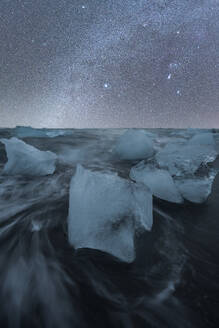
{"x": 36, "y": 226}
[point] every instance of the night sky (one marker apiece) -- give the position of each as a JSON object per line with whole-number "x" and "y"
{"x": 109, "y": 63}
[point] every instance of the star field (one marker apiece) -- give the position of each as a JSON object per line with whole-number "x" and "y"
{"x": 107, "y": 63}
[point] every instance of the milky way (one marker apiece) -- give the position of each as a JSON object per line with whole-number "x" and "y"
{"x": 107, "y": 63}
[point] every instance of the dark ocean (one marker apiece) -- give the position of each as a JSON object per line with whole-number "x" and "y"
{"x": 44, "y": 282}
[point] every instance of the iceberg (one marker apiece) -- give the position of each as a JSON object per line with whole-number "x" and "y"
{"x": 28, "y": 131}
{"x": 159, "y": 182}
{"x": 186, "y": 158}
{"x": 24, "y": 159}
{"x": 196, "y": 190}
{"x": 134, "y": 145}
{"x": 106, "y": 210}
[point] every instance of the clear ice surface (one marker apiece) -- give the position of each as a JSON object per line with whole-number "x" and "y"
{"x": 159, "y": 182}
{"x": 196, "y": 190}
{"x": 24, "y": 159}
{"x": 105, "y": 211}
{"x": 186, "y": 158}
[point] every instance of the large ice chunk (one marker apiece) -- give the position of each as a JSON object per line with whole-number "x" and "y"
{"x": 134, "y": 145}
{"x": 196, "y": 190}
{"x": 159, "y": 181}
{"x": 25, "y": 159}
{"x": 203, "y": 139}
{"x": 186, "y": 158}
{"x": 105, "y": 211}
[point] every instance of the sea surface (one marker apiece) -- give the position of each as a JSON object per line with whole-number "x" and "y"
{"x": 44, "y": 282}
